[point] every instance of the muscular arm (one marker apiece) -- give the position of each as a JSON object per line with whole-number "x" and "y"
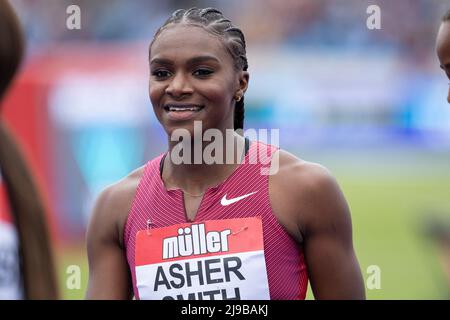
{"x": 333, "y": 267}
{"x": 109, "y": 276}
{"x": 318, "y": 216}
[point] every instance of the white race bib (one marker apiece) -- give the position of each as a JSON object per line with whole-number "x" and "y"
{"x": 209, "y": 260}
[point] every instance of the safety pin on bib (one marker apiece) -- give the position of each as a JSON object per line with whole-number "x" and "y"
{"x": 240, "y": 230}
{"x": 149, "y": 223}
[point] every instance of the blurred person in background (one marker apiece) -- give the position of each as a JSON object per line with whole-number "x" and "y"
{"x": 443, "y": 47}
{"x": 26, "y": 262}
{"x": 198, "y": 69}
{"x": 437, "y": 227}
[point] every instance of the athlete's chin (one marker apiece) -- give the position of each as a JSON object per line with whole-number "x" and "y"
{"x": 178, "y": 129}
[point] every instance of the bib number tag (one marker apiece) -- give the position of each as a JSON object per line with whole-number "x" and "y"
{"x": 208, "y": 260}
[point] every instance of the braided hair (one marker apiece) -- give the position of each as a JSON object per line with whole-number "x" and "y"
{"x": 213, "y": 21}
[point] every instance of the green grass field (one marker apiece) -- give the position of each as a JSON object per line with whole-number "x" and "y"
{"x": 388, "y": 193}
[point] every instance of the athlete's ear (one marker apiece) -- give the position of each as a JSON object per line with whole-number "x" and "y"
{"x": 243, "y": 83}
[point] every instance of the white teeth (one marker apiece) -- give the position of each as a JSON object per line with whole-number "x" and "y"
{"x": 172, "y": 108}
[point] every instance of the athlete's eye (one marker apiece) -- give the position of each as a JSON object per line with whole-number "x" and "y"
{"x": 160, "y": 74}
{"x": 202, "y": 72}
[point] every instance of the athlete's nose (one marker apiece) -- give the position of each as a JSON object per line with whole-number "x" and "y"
{"x": 179, "y": 86}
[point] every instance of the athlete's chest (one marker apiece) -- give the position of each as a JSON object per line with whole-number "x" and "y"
{"x": 249, "y": 203}
{"x": 191, "y": 206}
{"x": 216, "y": 202}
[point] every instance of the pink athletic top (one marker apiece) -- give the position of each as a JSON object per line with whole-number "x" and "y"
{"x": 286, "y": 269}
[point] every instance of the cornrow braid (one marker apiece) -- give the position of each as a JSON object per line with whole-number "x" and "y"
{"x": 213, "y": 21}
{"x": 239, "y": 114}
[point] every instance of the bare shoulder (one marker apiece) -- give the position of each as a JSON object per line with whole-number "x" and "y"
{"x": 113, "y": 205}
{"x": 303, "y": 192}
{"x": 311, "y": 174}
{"x": 109, "y": 276}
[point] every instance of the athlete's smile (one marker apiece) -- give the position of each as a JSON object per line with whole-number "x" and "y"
{"x": 182, "y": 112}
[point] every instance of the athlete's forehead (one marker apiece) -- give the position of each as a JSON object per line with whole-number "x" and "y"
{"x": 180, "y": 43}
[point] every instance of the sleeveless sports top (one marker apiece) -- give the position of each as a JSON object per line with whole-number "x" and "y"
{"x": 243, "y": 200}
{"x": 10, "y": 280}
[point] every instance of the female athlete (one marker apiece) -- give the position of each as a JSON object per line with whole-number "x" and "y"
{"x": 201, "y": 229}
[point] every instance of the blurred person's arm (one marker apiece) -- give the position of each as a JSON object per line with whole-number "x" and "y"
{"x": 28, "y": 212}
{"x": 109, "y": 275}
{"x": 317, "y": 214}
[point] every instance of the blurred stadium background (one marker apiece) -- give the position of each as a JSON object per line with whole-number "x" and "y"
{"x": 368, "y": 104}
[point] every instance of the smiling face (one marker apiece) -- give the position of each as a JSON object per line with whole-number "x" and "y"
{"x": 193, "y": 78}
{"x": 443, "y": 50}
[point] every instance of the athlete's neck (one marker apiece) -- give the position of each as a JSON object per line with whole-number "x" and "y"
{"x": 197, "y": 173}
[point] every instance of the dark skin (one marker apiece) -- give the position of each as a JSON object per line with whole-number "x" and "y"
{"x": 305, "y": 198}
{"x": 443, "y": 50}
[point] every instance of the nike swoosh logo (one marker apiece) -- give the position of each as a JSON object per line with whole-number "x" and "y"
{"x": 226, "y": 202}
